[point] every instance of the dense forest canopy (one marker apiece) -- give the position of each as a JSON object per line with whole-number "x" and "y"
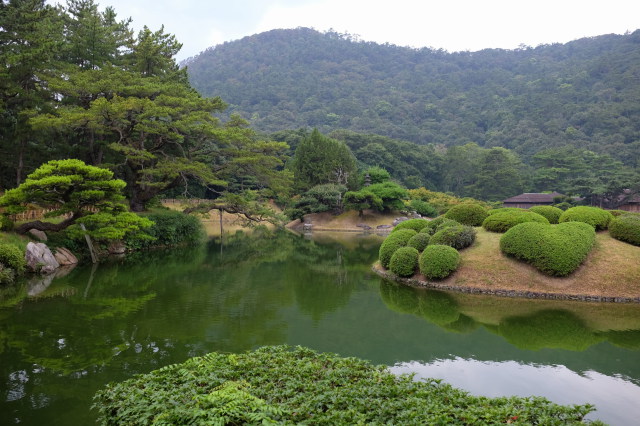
{"x": 584, "y": 94}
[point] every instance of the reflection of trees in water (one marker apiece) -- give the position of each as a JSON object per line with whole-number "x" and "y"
{"x": 543, "y": 329}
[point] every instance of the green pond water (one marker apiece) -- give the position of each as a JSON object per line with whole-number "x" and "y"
{"x": 61, "y": 341}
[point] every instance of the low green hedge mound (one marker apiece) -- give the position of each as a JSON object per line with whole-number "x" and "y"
{"x": 415, "y": 224}
{"x": 467, "y": 214}
{"x": 437, "y": 224}
{"x": 404, "y": 261}
{"x": 283, "y": 385}
{"x": 594, "y": 216}
{"x": 392, "y": 243}
{"x": 551, "y": 213}
{"x": 505, "y": 209}
{"x": 419, "y": 241}
{"x": 458, "y": 237}
{"x": 626, "y": 228}
{"x": 503, "y": 221}
{"x": 438, "y": 261}
{"x": 556, "y": 250}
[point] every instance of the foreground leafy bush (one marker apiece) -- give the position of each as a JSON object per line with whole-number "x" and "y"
{"x": 404, "y": 261}
{"x": 171, "y": 228}
{"x": 415, "y": 224}
{"x": 438, "y": 261}
{"x": 300, "y": 386}
{"x": 458, "y": 237}
{"x": 503, "y": 221}
{"x": 467, "y": 214}
{"x": 551, "y": 213}
{"x": 12, "y": 257}
{"x": 419, "y": 241}
{"x": 392, "y": 243}
{"x": 553, "y": 249}
{"x": 594, "y": 216}
{"x": 626, "y": 228}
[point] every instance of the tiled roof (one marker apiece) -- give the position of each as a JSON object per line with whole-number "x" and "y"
{"x": 533, "y": 197}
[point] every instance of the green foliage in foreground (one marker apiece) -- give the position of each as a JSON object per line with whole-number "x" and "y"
{"x": 594, "y": 216}
{"x": 551, "y": 213}
{"x": 467, "y": 214}
{"x": 626, "y": 228}
{"x": 404, "y": 261}
{"x": 285, "y": 385}
{"x": 438, "y": 261}
{"x": 553, "y": 249}
{"x": 503, "y": 221}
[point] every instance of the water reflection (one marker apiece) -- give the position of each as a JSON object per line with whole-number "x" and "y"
{"x": 615, "y": 397}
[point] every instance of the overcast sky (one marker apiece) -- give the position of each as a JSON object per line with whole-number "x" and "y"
{"x": 452, "y": 25}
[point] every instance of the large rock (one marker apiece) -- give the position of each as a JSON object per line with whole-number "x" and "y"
{"x": 40, "y": 259}
{"x": 65, "y": 257}
{"x": 37, "y": 234}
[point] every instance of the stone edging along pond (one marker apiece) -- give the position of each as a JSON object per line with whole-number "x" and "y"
{"x": 499, "y": 292}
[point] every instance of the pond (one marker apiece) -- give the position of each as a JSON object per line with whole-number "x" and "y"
{"x": 62, "y": 341}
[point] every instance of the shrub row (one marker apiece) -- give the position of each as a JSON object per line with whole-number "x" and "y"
{"x": 626, "y": 228}
{"x": 467, "y": 214}
{"x": 594, "y": 216}
{"x": 502, "y": 221}
{"x": 553, "y": 249}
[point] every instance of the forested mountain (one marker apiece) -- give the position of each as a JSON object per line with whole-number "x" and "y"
{"x": 583, "y": 94}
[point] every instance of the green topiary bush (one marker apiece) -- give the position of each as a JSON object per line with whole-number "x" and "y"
{"x": 12, "y": 257}
{"x": 392, "y": 243}
{"x": 467, "y": 214}
{"x": 626, "y": 228}
{"x": 404, "y": 261}
{"x": 438, "y": 261}
{"x": 505, "y": 209}
{"x": 617, "y": 213}
{"x": 419, "y": 241}
{"x": 415, "y": 224}
{"x": 594, "y": 216}
{"x": 503, "y": 221}
{"x": 556, "y": 250}
{"x": 551, "y": 213}
{"x": 458, "y": 237}
{"x": 437, "y": 224}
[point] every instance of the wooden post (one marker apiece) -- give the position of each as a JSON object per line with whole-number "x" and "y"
{"x": 94, "y": 258}
{"x": 221, "y": 230}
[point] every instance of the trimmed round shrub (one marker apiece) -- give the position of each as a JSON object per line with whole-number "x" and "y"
{"x": 594, "y": 216}
{"x": 503, "y": 221}
{"x": 505, "y": 209}
{"x": 415, "y": 224}
{"x": 551, "y": 213}
{"x": 12, "y": 257}
{"x": 458, "y": 237}
{"x": 438, "y": 261}
{"x": 437, "y": 224}
{"x": 392, "y": 243}
{"x": 419, "y": 241}
{"x": 626, "y": 228}
{"x": 617, "y": 213}
{"x": 404, "y": 261}
{"x": 467, "y": 214}
{"x": 556, "y": 250}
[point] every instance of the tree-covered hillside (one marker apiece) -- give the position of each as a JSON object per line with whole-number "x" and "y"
{"x": 584, "y": 94}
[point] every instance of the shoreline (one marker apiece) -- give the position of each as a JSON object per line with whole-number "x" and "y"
{"x": 510, "y": 293}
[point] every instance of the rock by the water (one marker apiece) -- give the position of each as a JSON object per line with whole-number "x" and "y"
{"x": 40, "y": 259}
{"x": 65, "y": 257}
{"x": 397, "y": 220}
{"x": 384, "y": 226}
{"x": 307, "y": 226}
{"x": 363, "y": 226}
{"x": 117, "y": 247}
{"x": 40, "y": 235}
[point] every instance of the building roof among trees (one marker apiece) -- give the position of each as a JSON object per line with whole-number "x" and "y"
{"x": 533, "y": 197}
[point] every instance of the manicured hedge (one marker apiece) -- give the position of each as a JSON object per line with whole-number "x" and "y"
{"x": 553, "y": 249}
{"x": 419, "y": 241}
{"x": 458, "y": 237}
{"x": 438, "y": 261}
{"x": 404, "y": 261}
{"x": 283, "y": 385}
{"x": 505, "y": 209}
{"x": 594, "y": 216}
{"x": 626, "y": 228}
{"x": 503, "y": 221}
{"x": 551, "y": 213}
{"x": 392, "y": 243}
{"x": 467, "y": 214}
{"x": 617, "y": 213}
{"x": 415, "y": 224}
{"x": 437, "y": 224}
